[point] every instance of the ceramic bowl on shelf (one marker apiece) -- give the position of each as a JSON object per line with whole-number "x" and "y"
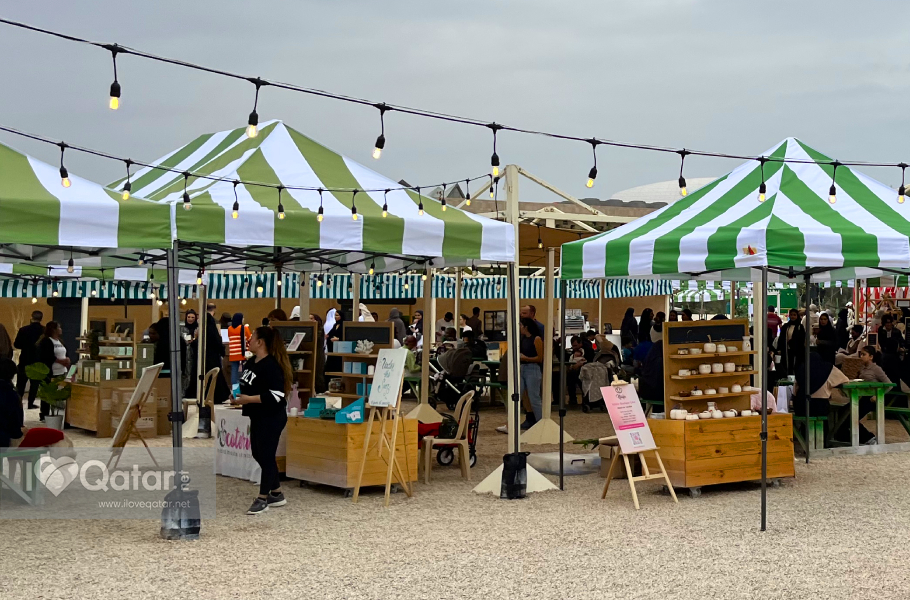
{"x": 723, "y": 390}
{"x": 704, "y": 414}
{"x": 729, "y": 414}
{"x": 705, "y": 369}
{"x": 732, "y": 349}
{"x": 694, "y": 351}
{"x": 710, "y": 348}
{"x": 697, "y": 392}
{"x": 746, "y": 413}
{"x": 683, "y": 351}
{"x": 691, "y": 417}
{"x": 710, "y": 392}
{"x": 684, "y": 372}
{"x": 736, "y": 388}
{"x": 729, "y": 367}
{"x": 717, "y": 368}
{"x": 721, "y": 349}
{"x": 684, "y": 394}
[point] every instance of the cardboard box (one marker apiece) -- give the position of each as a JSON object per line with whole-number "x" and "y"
{"x": 164, "y": 426}
{"x": 347, "y": 366}
{"x": 343, "y": 347}
{"x": 606, "y": 455}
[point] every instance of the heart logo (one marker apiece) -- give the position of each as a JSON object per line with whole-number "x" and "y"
{"x": 56, "y": 474}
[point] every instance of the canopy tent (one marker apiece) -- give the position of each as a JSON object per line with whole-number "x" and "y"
{"x": 279, "y": 155}
{"x": 722, "y": 230}
{"x": 700, "y": 295}
{"x": 795, "y": 231}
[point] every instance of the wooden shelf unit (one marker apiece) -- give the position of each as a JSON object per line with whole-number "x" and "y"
{"x": 378, "y": 333}
{"x": 707, "y": 452}
{"x": 303, "y": 360}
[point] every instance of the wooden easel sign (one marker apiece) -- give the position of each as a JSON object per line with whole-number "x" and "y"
{"x": 127, "y": 427}
{"x": 385, "y": 398}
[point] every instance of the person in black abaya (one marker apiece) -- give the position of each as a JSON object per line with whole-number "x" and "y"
{"x": 843, "y": 332}
{"x": 826, "y": 339}
{"x": 891, "y": 343}
{"x": 163, "y": 347}
{"x": 629, "y": 327}
{"x": 644, "y": 324}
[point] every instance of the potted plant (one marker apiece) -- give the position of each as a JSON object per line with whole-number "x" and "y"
{"x": 55, "y": 391}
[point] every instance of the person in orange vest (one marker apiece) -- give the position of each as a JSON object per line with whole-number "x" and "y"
{"x": 238, "y": 338}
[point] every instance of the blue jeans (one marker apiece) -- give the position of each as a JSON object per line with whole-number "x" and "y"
{"x": 235, "y": 372}
{"x": 531, "y": 379}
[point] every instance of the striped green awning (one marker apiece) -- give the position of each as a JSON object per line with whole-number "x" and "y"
{"x": 700, "y": 295}
{"x": 722, "y": 230}
{"x": 280, "y": 155}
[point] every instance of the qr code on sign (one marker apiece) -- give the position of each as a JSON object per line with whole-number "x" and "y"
{"x": 636, "y": 439}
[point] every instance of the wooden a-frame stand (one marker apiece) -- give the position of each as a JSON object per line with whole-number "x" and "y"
{"x": 127, "y": 427}
{"x": 617, "y": 451}
{"x": 392, "y": 415}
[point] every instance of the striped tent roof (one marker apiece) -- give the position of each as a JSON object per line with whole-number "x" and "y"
{"x": 722, "y": 230}
{"x": 281, "y": 155}
{"x": 700, "y": 295}
{"x": 38, "y": 214}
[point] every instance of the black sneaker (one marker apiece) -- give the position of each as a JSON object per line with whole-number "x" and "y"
{"x": 277, "y": 499}
{"x": 259, "y": 506}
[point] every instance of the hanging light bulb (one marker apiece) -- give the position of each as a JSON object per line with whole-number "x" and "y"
{"x": 115, "y": 87}
{"x": 592, "y": 174}
{"x": 319, "y": 280}
{"x": 64, "y": 174}
{"x": 423, "y": 277}
{"x": 419, "y": 203}
{"x": 320, "y": 213}
{"x": 70, "y": 266}
{"x": 235, "y": 210}
{"x": 380, "y": 141}
{"x": 467, "y": 192}
{"x": 539, "y": 239}
{"x": 372, "y": 267}
{"x": 385, "y": 204}
{"x": 187, "y": 203}
{"x": 494, "y": 159}
{"x": 278, "y": 280}
{"x": 280, "y": 205}
{"x": 183, "y": 301}
{"x": 354, "y": 205}
{"x": 901, "y": 191}
{"x": 34, "y": 300}
{"x": 493, "y": 183}
{"x": 199, "y": 276}
{"x": 128, "y": 186}
{"x": 55, "y": 293}
{"x": 682, "y": 180}
{"x": 141, "y": 260}
{"x": 160, "y": 302}
{"x": 259, "y": 287}
{"x": 832, "y": 191}
{"x": 252, "y": 128}
{"x": 94, "y": 292}
{"x": 762, "y": 189}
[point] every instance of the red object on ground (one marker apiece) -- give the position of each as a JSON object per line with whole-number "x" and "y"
{"x": 39, "y": 437}
{"x": 424, "y": 429}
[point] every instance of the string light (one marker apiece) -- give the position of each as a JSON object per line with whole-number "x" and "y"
{"x": 385, "y": 204}
{"x": 55, "y": 293}
{"x": 419, "y": 203}
{"x": 142, "y": 260}
{"x": 160, "y": 302}
{"x": 762, "y": 188}
{"x": 70, "y": 266}
{"x": 183, "y": 301}
{"x": 34, "y": 300}
{"x": 280, "y": 205}
{"x": 259, "y": 287}
{"x": 94, "y": 292}
{"x": 539, "y": 240}
{"x": 319, "y": 280}
{"x": 467, "y": 192}
{"x": 319, "y": 215}
{"x": 404, "y": 277}
{"x": 682, "y": 180}
{"x": 832, "y": 191}
{"x": 199, "y": 276}
{"x": 372, "y": 267}
{"x": 152, "y": 292}
{"x": 64, "y": 175}
{"x": 187, "y": 203}
{"x": 128, "y": 186}
{"x": 235, "y": 210}
{"x": 380, "y": 141}
{"x": 442, "y": 197}
{"x": 494, "y": 160}
{"x": 252, "y": 129}
{"x": 423, "y": 277}
{"x": 353, "y": 204}
{"x": 115, "y": 87}
{"x": 592, "y": 174}
{"x": 493, "y": 187}
{"x": 902, "y": 189}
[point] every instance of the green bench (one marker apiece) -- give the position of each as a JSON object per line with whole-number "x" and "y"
{"x": 815, "y": 432}
{"x": 650, "y": 404}
{"x": 901, "y": 413}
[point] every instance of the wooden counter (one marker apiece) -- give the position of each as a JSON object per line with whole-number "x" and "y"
{"x": 89, "y": 405}
{"x": 705, "y": 452}
{"x": 322, "y": 451}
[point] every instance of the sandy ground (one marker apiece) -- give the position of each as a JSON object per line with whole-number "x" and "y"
{"x": 840, "y": 529}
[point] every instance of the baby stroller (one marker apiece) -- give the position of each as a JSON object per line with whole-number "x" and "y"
{"x": 448, "y": 429}
{"x": 456, "y": 377}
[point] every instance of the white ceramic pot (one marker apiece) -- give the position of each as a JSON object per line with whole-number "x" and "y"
{"x": 679, "y": 414}
{"x": 710, "y": 348}
{"x": 694, "y": 351}
{"x": 723, "y": 390}
{"x": 736, "y": 388}
{"x": 683, "y": 351}
{"x": 705, "y": 369}
{"x": 704, "y": 415}
{"x": 729, "y": 414}
{"x": 712, "y": 406}
{"x": 697, "y": 392}
{"x": 732, "y": 349}
{"x": 54, "y": 422}
{"x": 717, "y": 368}
{"x": 746, "y": 413}
{"x": 716, "y": 414}
{"x": 721, "y": 349}
{"x": 747, "y": 343}
{"x": 710, "y": 392}
{"x": 684, "y": 372}
{"x": 729, "y": 367}
{"x": 691, "y": 417}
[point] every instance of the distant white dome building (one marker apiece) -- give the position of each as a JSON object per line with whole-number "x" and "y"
{"x": 651, "y": 194}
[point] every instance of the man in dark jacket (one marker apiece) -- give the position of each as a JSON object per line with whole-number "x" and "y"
{"x": 27, "y": 342}
{"x": 11, "y": 418}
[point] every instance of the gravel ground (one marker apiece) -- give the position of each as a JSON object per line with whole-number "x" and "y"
{"x": 839, "y": 530}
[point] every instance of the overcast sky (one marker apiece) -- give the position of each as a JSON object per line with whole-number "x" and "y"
{"x": 726, "y": 76}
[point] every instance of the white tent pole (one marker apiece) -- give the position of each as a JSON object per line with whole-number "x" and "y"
{"x": 423, "y": 411}
{"x": 457, "y": 296}
{"x": 355, "y": 296}
{"x": 83, "y": 318}
{"x": 202, "y": 320}
{"x": 514, "y": 378}
{"x": 303, "y": 292}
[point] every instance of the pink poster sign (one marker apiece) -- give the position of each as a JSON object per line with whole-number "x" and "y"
{"x": 628, "y": 418}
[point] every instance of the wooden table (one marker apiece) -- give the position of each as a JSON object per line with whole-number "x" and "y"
{"x": 858, "y": 389}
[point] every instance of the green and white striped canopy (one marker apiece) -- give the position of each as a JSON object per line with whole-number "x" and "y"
{"x": 700, "y": 295}
{"x": 722, "y": 230}
{"x": 37, "y": 214}
{"x": 281, "y": 155}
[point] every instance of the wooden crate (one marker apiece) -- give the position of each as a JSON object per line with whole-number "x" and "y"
{"x": 89, "y": 406}
{"x": 330, "y": 453}
{"x": 706, "y": 452}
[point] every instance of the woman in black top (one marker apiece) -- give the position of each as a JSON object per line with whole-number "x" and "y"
{"x": 264, "y": 384}
{"x": 644, "y": 324}
{"x": 826, "y": 339}
{"x": 890, "y": 341}
{"x": 11, "y": 424}
{"x": 843, "y": 334}
{"x": 629, "y": 326}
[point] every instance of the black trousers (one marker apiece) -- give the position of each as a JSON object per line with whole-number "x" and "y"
{"x": 21, "y": 379}
{"x": 572, "y": 383}
{"x": 264, "y": 435}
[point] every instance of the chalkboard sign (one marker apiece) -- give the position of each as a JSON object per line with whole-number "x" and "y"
{"x": 125, "y": 327}
{"x": 98, "y": 326}
{"x": 378, "y": 333}
{"x": 724, "y": 331}
{"x": 287, "y": 329}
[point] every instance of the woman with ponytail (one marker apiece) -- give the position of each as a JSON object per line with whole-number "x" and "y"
{"x": 265, "y": 382}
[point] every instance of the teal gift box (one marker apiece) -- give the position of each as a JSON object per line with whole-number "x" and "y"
{"x": 345, "y": 347}
{"x": 314, "y": 407}
{"x": 360, "y": 390}
{"x": 352, "y": 413}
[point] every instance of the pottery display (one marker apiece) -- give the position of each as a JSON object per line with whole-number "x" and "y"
{"x": 716, "y": 414}
{"x": 683, "y": 351}
{"x": 723, "y": 390}
{"x": 705, "y": 369}
{"x": 691, "y": 417}
{"x": 684, "y": 372}
{"x": 704, "y": 414}
{"x": 729, "y": 367}
{"x": 684, "y": 394}
{"x": 712, "y": 406}
{"x": 736, "y": 388}
{"x": 710, "y": 392}
{"x": 732, "y": 349}
{"x": 746, "y": 413}
{"x": 679, "y": 414}
{"x": 721, "y": 349}
{"x": 697, "y": 392}
{"x": 747, "y": 343}
{"x": 729, "y": 414}
{"x": 717, "y": 368}
{"x": 694, "y": 351}
{"x": 710, "y": 347}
